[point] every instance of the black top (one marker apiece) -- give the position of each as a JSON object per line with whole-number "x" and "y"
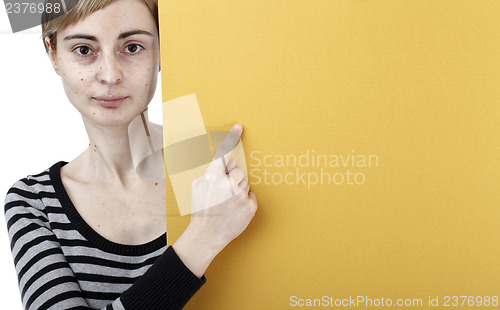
{"x": 62, "y": 263}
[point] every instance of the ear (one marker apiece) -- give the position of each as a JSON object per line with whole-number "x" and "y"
{"x": 52, "y": 55}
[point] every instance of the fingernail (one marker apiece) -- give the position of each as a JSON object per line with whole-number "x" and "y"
{"x": 237, "y": 128}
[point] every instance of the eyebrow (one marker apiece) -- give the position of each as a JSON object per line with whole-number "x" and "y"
{"x": 121, "y": 36}
{"x": 133, "y": 32}
{"x": 80, "y": 36}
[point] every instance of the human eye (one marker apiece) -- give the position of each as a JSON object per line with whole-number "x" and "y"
{"x": 83, "y": 50}
{"x": 133, "y": 48}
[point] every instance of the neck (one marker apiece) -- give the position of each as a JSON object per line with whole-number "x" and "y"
{"x": 108, "y": 157}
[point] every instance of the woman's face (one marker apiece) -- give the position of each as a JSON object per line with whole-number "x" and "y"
{"x": 109, "y": 62}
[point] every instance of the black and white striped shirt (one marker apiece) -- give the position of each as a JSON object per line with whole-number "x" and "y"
{"x": 62, "y": 263}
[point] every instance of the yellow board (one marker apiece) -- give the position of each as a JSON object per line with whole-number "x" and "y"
{"x": 371, "y": 139}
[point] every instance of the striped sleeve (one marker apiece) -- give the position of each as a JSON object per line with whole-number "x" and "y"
{"x": 45, "y": 277}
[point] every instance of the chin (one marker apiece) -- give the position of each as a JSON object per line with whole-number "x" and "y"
{"x": 113, "y": 117}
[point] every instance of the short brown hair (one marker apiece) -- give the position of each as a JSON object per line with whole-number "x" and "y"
{"x": 54, "y": 22}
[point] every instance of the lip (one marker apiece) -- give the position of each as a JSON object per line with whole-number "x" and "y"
{"x": 109, "y": 101}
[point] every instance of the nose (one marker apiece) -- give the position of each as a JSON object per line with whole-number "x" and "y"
{"x": 109, "y": 70}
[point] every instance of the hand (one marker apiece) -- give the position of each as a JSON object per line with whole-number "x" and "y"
{"x": 222, "y": 208}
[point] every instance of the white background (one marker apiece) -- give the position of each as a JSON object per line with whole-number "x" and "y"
{"x": 38, "y": 127}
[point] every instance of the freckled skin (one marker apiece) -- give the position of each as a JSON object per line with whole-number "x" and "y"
{"x": 110, "y": 68}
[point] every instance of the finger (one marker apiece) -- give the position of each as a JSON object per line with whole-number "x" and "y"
{"x": 218, "y": 166}
{"x": 243, "y": 187}
{"x": 236, "y": 175}
{"x": 231, "y": 164}
{"x": 230, "y": 142}
{"x": 252, "y": 196}
{"x": 243, "y": 183}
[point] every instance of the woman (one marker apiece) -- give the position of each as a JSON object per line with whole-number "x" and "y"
{"x": 91, "y": 233}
